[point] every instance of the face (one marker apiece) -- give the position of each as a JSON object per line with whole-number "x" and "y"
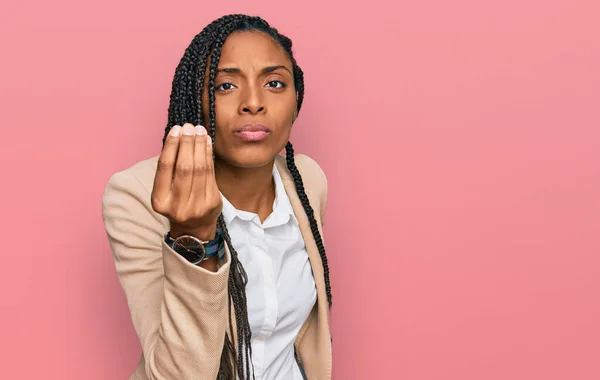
{"x": 255, "y": 100}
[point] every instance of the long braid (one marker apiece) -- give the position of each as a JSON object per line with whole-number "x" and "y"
{"x": 186, "y": 106}
{"x": 237, "y": 282}
{"x": 200, "y": 85}
{"x": 291, "y": 164}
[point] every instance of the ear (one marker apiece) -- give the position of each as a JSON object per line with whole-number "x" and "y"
{"x": 295, "y": 115}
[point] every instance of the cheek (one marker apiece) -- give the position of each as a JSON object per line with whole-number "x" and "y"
{"x": 284, "y": 110}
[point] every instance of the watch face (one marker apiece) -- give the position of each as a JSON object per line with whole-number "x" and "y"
{"x": 189, "y": 247}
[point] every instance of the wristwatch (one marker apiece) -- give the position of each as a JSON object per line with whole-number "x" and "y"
{"x": 195, "y": 250}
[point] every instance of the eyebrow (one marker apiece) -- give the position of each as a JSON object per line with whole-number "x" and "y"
{"x": 266, "y": 70}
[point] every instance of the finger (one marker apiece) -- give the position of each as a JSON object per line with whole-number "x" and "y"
{"x": 166, "y": 167}
{"x": 184, "y": 167}
{"x": 210, "y": 161}
{"x": 213, "y": 195}
{"x": 200, "y": 168}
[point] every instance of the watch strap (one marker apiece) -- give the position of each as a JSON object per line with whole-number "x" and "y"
{"x": 214, "y": 247}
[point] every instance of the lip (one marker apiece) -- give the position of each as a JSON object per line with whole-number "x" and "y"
{"x": 253, "y": 132}
{"x": 253, "y": 128}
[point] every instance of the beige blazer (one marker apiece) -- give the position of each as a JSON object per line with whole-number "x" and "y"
{"x": 179, "y": 310}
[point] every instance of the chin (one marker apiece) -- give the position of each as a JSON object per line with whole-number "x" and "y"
{"x": 251, "y": 156}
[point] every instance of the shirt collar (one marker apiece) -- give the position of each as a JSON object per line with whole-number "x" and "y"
{"x": 282, "y": 209}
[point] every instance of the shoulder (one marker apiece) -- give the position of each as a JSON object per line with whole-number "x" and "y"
{"x": 130, "y": 188}
{"x": 311, "y": 171}
{"x": 313, "y": 179}
{"x": 139, "y": 175}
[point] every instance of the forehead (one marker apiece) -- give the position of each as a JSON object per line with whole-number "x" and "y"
{"x": 254, "y": 48}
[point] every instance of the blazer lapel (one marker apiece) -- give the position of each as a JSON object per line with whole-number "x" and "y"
{"x": 311, "y": 246}
{"x": 319, "y": 365}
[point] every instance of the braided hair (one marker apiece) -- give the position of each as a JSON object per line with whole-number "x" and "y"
{"x": 186, "y": 106}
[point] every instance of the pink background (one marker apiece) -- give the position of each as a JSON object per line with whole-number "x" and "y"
{"x": 462, "y": 145}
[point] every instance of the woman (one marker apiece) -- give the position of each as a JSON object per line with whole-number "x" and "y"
{"x": 217, "y": 241}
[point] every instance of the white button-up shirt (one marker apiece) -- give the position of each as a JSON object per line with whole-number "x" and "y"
{"x": 281, "y": 290}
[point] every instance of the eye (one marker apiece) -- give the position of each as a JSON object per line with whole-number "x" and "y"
{"x": 225, "y": 87}
{"x": 275, "y": 84}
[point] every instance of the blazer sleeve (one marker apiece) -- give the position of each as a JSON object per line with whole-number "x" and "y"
{"x": 179, "y": 310}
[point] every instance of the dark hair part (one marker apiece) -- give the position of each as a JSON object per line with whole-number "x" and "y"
{"x": 186, "y": 106}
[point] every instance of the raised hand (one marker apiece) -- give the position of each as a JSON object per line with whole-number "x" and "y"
{"x": 185, "y": 190}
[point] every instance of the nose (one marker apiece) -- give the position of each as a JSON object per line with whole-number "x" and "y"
{"x": 252, "y": 102}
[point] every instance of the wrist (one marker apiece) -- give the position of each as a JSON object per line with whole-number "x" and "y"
{"x": 204, "y": 233}
{"x": 196, "y": 246}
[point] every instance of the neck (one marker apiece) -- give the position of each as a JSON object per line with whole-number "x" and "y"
{"x": 247, "y": 189}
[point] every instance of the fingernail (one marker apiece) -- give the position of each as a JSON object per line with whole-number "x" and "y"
{"x": 188, "y": 130}
{"x": 200, "y": 130}
{"x": 175, "y": 130}
{"x": 208, "y": 140}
